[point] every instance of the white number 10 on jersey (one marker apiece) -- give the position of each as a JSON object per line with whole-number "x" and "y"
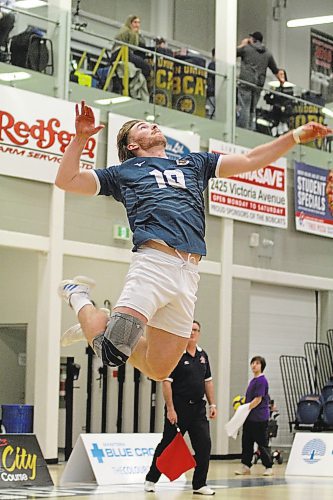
{"x": 174, "y": 178}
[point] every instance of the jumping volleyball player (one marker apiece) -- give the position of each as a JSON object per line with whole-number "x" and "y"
{"x": 165, "y": 209}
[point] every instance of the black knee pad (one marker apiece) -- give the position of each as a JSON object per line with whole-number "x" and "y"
{"x": 119, "y": 340}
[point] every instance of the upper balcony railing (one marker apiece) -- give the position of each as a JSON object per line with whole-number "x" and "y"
{"x": 281, "y": 108}
{"x": 179, "y": 80}
{"x": 165, "y": 80}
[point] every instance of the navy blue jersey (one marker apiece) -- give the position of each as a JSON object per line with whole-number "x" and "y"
{"x": 163, "y": 198}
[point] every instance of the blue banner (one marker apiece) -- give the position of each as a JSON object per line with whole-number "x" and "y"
{"x": 314, "y": 200}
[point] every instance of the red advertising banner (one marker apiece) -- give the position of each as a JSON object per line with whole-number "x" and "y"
{"x": 259, "y": 197}
{"x": 34, "y": 133}
{"x": 321, "y": 65}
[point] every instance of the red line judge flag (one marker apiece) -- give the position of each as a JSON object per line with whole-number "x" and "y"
{"x": 176, "y": 458}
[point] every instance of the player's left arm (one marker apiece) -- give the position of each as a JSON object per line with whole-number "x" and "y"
{"x": 265, "y": 154}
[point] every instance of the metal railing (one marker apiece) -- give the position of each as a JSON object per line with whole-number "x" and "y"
{"x": 296, "y": 382}
{"x": 319, "y": 358}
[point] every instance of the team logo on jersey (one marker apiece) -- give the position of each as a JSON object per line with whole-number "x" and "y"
{"x": 202, "y": 359}
{"x": 186, "y": 362}
{"x": 182, "y": 162}
{"x": 141, "y": 163}
{"x": 175, "y": 149}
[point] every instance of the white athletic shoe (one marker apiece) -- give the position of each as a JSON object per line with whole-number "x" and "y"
{"x": 204, "y": 490}
{"x": 75, "y": 333}
{"x": 268, "y": 472}
{"x": 79, "y": 284}
{"x": 149, "y": 487}
{"x": 244, "y": 471}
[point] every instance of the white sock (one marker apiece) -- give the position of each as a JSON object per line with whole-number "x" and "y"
{"x": 79, "y": 300}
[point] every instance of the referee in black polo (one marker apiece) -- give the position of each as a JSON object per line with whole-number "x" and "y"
{"x": 185, "y": 405}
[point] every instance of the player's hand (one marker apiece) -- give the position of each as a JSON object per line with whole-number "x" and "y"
{"x": 172, "y": 416}
{"x": 85, "y": 121}
{"x": 212, "y": 412}
{"x": 312, "y": 131}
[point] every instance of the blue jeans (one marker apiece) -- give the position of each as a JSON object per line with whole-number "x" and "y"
{"x": 248, "y": 98}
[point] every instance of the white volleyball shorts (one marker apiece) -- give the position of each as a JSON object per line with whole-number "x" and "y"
{"x": 163, "y": 288}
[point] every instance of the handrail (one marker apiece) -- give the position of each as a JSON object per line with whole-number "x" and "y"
{"x": 113, "y": 24}
{"x": 153, "y": 52}
{"x": 122, "y": 55}
{"x": 280, "y": 94}
{"x": 29, "y": 14}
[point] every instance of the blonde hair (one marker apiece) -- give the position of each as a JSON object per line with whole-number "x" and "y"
{"x": 122, "y": 137}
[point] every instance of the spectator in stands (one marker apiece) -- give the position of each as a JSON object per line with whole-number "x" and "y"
{"x": 161, "y": 46}
{"x": 255, "y": 59}
{"x": 281, "y": 107}
{"x": 130, "y": 33}
{"x": 210, "y": 105}
{"x": 7, "y": 21}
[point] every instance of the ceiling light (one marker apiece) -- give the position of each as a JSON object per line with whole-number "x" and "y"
{"x": 17, "y": 75}
{"x": 29, "y": 4}
{"x": 309, "y": 21}
{"x": 112, "y": 100}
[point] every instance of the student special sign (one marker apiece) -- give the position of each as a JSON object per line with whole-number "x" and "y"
{"x": 313, "y": 200}
{"x": 34, "y": 133}
{"x": 258, "y": 197}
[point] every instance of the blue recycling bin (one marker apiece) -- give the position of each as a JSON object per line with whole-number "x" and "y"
{"x": 17, "y": 419}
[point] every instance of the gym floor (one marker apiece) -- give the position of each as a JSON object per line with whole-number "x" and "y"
{"x": 221, "y": 478}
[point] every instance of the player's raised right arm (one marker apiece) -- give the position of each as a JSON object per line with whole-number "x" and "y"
{"x": 70, "y": 177}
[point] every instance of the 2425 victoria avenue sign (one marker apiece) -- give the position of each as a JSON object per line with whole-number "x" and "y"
{"x": 259, "y": 197}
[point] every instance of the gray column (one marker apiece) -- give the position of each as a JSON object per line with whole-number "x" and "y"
{"x": 61, "y": 10}
{"x": 276, "y": 31}
{"x": 224, "y": 332}
{"x": 162, "y": 12}
{"x": 225, "y": 53}
{"x": 326, "y": 314}
{"x": 48, "y": 324}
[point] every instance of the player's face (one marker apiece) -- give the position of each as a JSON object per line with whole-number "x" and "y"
{"x": 135, "y": 24}
{"x": 256, "y": 367}
{"x": 195, "y": 332}
{"x": 146, "y": 135}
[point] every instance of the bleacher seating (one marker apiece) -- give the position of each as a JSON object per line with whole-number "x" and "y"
{"x": 309, "y": 409}
{"x": 328, "y": 412}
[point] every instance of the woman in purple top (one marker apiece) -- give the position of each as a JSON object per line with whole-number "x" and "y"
{"x": 255, "y": 428}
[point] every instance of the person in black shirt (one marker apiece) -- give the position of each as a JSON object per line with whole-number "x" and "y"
{"x": 185, "y": 406}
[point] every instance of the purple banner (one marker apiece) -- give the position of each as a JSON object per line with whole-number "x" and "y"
{"x": 314, "y": 200}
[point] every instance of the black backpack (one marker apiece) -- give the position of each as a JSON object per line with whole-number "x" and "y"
{"x": 29, "y": 50}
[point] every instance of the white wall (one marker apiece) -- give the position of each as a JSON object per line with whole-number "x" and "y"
{"x": 281, "y": 320}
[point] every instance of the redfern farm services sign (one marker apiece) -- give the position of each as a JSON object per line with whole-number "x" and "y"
{"x": 34, "y": 133}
